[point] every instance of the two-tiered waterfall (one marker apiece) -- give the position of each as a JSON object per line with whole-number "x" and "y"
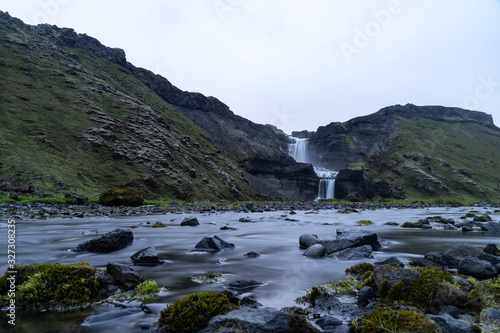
{"x": 298, "y": 149}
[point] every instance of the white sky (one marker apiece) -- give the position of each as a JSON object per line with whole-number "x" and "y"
{"x": 300, "y": 64}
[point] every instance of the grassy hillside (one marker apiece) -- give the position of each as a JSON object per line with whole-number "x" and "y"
{"x": 76, "y": 123}
{"x": 432, "y": 158}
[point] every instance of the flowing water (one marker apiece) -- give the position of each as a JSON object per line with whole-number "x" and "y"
{"x": 285, "y": 272}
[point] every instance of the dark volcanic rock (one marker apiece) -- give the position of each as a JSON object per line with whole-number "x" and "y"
{"x": 359, "y": 237}
{"x": 477, "y": 268}
{"x": 315, "y": 251}
{"x": 262, "y": 320}
{"x": 124, "y": 274}
{"x": 193, "y": 222}
{"x": 307, "y": 240}
{"x": 146, "y": 256}
{"x": 449, "y": 324}
{"x": 111, "y": 241}
{"x": 212, "y": 243}
{"x": 354, "y": 253}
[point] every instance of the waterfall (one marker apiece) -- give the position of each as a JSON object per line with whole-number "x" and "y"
{"x": 297, "y": 148}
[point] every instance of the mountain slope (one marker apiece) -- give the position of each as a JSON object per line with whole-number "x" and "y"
{"x": 78, "y": 118}
{"x": 417, "y": 152}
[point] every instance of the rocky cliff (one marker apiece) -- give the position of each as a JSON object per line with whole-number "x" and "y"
{"x": 79, "y": 119}
{"x": 413, "y": 151}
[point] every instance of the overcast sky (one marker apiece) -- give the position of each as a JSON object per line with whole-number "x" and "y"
{"x": 300, "y": 64}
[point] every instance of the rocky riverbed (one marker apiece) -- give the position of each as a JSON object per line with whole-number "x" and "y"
{"x": 266, "y": 263}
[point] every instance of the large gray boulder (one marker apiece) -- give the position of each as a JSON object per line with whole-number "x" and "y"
{"x": 461, "y": 251}
{"x": 354, "y": 253}
{"x": 477, "y": 268}
{"x": 212, "y": 244}
{"x": 259, "y": 320}
{"x": 109, "y": 242}
{"x": 315, "y": 251}
{"x": 190, "y": 221}
{"x": 147, "y": 256}
{"x": 307, "y": 240}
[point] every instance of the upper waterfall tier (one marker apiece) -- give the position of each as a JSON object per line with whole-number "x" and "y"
{"x": 297, "y": 148}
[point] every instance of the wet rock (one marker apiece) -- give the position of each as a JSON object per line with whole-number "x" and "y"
{"x": 252, "y": 254}
{"x": 482, "y": 218}
{"x": 108, "y": 316}
{"x": 109, "y": 242}
{"x": 449, "y": 324}
{"x": 364, "y": 295}
{"x": 389, "y": 260}
{"x": 446, "y": 294}
{"x": 491, "y": 226}
{"x": 148, "y": 256}
{"x": 354, "y": 253}
{"x": 394, "y": 274}
{"x": 213, "y": 243}
{"x": 359, "y": 237}
{"x": 245, "y": 220}
{"x": 244, "y": 285}
{"x": 262, "y": 320}
{"x": 421, "y": 263}
{"x": 128, "y": 277}
{"x": 477, "y": 268}
{"x": 307, "y": 240}
{"x": 442, "y": 259}
{"x": 491, "y": 249}
{"x": 490, "y": 317}
{"x": 452, "y": 311}
{"x": 315, "y": 251}
{"x": 190, "y": 221}
{"x": 328, "y": 324}
{"x": 467, "y": 229}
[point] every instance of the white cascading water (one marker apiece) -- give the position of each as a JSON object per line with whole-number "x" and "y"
{"x": 297, "y": 148}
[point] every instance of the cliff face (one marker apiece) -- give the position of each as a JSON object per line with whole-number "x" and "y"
{"x": 415, "y": 152}
{"x": 78, "y": 118}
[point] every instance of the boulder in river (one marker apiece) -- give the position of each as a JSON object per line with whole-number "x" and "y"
{"x": 212, "y": 243}
{"x": 190, "y": 221}
{"x": 315, "y": 251}
{"x": 477, "y": 268}
{"x": 128, "y": 277}
{"x": 109, "y": 242}
{"x": 147, "y": 256}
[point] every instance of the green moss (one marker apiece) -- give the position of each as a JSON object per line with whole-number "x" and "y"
{"x": 388, "y": 320}
{"x": 418, "y": 293}
{"x": 192, "y": 313}
{"x": 364, "y": 223}
{"x": 359, "y": 269}
{"x": 209, "y": 277}
{"x": 158, "y": 225}
{"x": 118, "y": 197}
{"x": 313, "y": 294}
{"x": 148, "y": 287}
{"x": 411, "y": 225}
{"x": 485, "y": 294}
{"x": 54, "y": 287}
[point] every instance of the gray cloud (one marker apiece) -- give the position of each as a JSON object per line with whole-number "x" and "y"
{"x": 300, "y": 64}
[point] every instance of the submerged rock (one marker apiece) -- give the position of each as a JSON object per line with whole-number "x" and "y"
{"x": 109, "y": 242}
{"x": 244, "y": 285}
{"x": 315, "y": 251}
{"x": 193, "y": 222}
{"x": 213, "y": 243}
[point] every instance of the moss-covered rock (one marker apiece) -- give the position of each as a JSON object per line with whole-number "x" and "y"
{"x": 122, "y": 197}
{"x": 54, "y": 287}
{"x": 411, "y": 225}
{"x": 390, "y": 320}
{"x": 360, "y": 269}
{"x": 192, "y": 313}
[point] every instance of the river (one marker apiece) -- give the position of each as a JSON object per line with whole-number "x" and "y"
{"x": 285, "y": 272}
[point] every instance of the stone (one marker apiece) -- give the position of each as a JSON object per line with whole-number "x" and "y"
{"x": 491, "y": 249}
{"x": 452, "y": 311}
{"x": 252, "y": 254}
{"x": 307, "y": 240}
{"x": 446, "y": 294}
{"x": 394, "y": 274}
{"x": 315, "y": 251}
{"x": 364, "y": 295}
{"x": 491, "y": 226}
{"x": 449, "y": 324}
{"x": 190, "y": 221}
{"x": 477, "y": 268}
{"x": 121, "y": 197}
{"x": 353, "y": 197}
{"x": 262, "y": 320}
{"x": 389, "y": 260}
{"x": 359, "y": 237}
{"x": 244, "y": 285}
{"x": 109, "y": 242}
{"x": 128, "y": 277}
{"x": 443, "y": 260}
{"x": 354, "y": 253}
{"x": 328, "y": 323}
{"x": 147, "y": 256}
{"x": 490, "y": 317}
{"x": 213, "y": 243}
